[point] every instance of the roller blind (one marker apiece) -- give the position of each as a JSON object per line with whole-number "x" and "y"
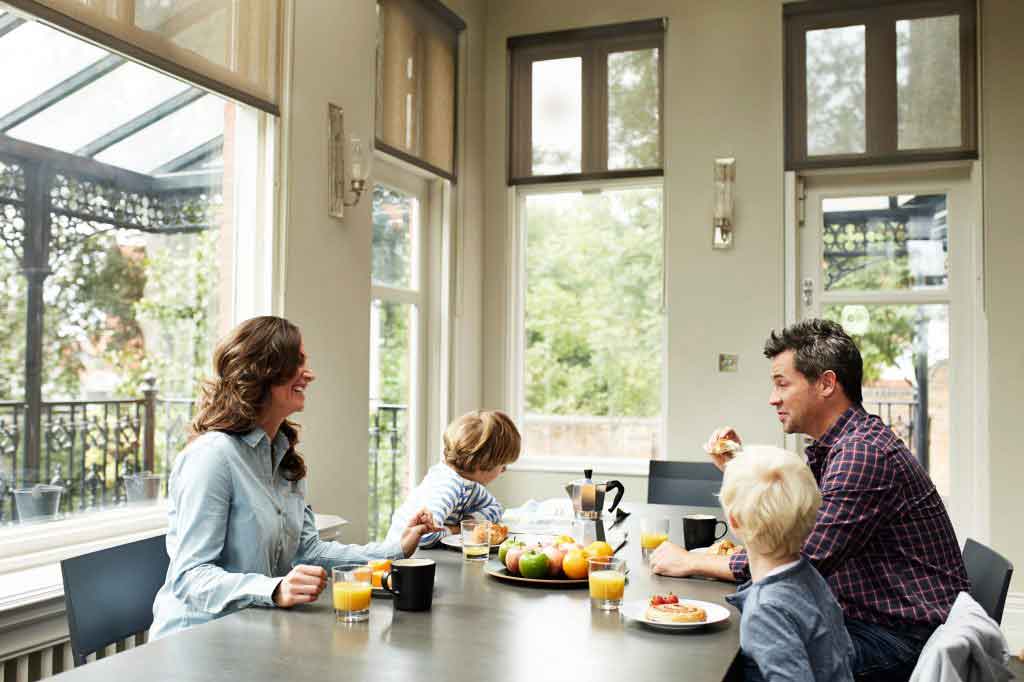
{"x": 417, "y": 62}
{"x": 228, "y": 46}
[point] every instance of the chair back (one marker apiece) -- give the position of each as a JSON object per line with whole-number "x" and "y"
{"x": 109, "y": 594}
{"x": 989, "y": 573}
{"x": 694, "y": 484}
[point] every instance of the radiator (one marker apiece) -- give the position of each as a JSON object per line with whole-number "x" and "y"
{"x": 56, "y": 658}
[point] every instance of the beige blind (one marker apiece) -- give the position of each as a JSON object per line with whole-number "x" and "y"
{"x": 416, "y": 67}
{"x": 229, "y": 46}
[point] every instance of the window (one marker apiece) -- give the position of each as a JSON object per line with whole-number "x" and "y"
{"x": 589, "y": 321}
{"x": 880, "y": 82}
{"x": 126, "y": 211}
{"x": 891, "y": 260}
{"x": 397, "y": 331}
{"x": 586, "y": 103}
{"x": 417, "y": 65}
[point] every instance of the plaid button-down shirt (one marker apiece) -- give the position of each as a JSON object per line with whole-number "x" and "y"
{"x": 882, "y": 539}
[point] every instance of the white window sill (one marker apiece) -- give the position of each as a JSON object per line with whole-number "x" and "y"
{"x": 576, "y": 465}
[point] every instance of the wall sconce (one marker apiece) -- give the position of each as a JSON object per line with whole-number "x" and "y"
{"x": 725, "y": 177}
{"x": 340, "y": 148}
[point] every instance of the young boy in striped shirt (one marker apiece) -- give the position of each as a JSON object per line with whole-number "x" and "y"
{"x": 477, "y": 448}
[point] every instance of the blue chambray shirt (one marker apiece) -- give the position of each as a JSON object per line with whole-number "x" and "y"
{"x": 235, "y": 527}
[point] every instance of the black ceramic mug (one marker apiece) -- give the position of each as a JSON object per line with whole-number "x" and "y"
{"x": 699, "y": 530}
{"x": 412, "y": 583}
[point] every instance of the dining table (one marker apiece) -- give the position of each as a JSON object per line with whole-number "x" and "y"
{"x": 479, "y": 628}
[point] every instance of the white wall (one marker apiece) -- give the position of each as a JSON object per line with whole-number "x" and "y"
{"x": 723, "y": 97}
{"x": 1002, "y": 99}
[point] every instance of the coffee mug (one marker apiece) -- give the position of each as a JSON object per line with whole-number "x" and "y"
{"x": 699, "y": 530}
{"x": 412, "y": 583}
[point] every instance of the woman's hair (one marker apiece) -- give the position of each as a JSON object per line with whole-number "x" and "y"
{"x": 481, "y": 440}
{"x": 256, "y": 355}
{"x": 772, "y": 495}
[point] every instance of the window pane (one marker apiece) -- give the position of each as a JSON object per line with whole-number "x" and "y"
{"x": 885, "y": 242}
{"x": 906, "y": 374}
{"x": 593, "y": 324}
{"x": 395, "y": 224}
{"x": 138, "y": 284}
{"x": 391, "y": 367}
{"x": 557, "y": 116}
{"x": 928, "y": 82}
{"x": 633, "y": 132}
{"x": 835, "y": 91}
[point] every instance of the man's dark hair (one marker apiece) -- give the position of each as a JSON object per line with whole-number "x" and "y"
{"x": 818, "y": 346}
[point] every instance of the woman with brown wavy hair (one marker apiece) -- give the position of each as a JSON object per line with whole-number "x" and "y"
{"x": 239, "y": 531}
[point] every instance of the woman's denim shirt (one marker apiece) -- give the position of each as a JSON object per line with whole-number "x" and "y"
{"x": 236, "y": 526}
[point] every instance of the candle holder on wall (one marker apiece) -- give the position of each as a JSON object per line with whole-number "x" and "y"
{"x": 339, "y": 150}
{"x": 725, "y": 177}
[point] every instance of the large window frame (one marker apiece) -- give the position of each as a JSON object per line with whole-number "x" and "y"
{"x": 881, "y": 111}
{"x": 592, "y": 45}
{"x": 516, "y": 322}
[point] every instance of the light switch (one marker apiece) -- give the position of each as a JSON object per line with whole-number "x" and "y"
{"x": 728, "y": 362}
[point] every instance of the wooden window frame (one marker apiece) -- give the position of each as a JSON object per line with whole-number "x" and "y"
{"x": 881, "y": 119}
{"x": 592, "y": 45}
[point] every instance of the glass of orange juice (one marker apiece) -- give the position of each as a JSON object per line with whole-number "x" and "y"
{"x": 352, "y": 591}
{"x": 476, "y": 539}
{"x": 653, "y": 532}
{"x": 607, "y": 578}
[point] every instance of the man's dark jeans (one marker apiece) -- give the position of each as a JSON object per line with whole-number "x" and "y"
{"x": 883, "y": 654}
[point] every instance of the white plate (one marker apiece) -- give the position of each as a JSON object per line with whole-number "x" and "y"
{"x": 700, "y": 550}
{"x": 637, "y": 610}
{"x": 455, "y": 542}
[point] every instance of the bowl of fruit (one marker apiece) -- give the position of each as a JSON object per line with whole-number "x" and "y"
{"x": 555, "y": 561}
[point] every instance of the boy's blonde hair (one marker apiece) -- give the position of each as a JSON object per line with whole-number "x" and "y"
{"x": 772, "y": 495}
{"x": 481, "y": 440}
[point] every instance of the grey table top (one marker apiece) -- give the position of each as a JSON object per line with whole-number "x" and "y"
{"x": 479, "y": 628}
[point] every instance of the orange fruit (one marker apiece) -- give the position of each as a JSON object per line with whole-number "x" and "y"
{"x": 574, "y": 564}
{"x": 599, "y": 548}
{"x": 563, "y": 538}
{"x": 381, "y": 564}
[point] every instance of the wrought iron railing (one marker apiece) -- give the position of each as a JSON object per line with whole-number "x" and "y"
{"x": 388, "y": 456}
{"x": 88, "y": 447}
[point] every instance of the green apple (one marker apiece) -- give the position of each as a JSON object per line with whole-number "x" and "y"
{"x": 533, "y": 564}
{"x": 506, "y": 546}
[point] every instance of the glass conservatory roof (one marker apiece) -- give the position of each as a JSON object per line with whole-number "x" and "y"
{"x": 80, "y": 99}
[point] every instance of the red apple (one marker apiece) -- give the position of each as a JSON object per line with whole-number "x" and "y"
{"x": 512, "y": 559}
{"x": 566, "y": 547}
{"x": 554, "y": 560}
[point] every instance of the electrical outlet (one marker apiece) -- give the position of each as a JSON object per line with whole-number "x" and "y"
{"x": 728, "y": 362}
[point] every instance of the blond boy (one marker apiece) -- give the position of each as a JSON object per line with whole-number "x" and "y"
{"x": 477, "y": 448}
{"x": 791, "y": 627}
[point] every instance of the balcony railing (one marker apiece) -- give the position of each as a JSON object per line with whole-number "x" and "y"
{"x": 388, "y": 456}
{"x": 88, "y": 447}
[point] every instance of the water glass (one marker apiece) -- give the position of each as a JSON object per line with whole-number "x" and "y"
{"x": 352, "y": 592}
{"x": 476, "y": 539}
{"x": 653, "y": 532}
{"x": 607, "y": 578}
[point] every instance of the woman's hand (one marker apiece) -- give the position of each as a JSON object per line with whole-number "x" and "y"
{"x": 302, "y": 585}
{"x": 419, "y": 525}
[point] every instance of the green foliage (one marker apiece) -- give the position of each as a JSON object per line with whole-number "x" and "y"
{"x": 633, "y": 124}
{"x": 593, "y": 311}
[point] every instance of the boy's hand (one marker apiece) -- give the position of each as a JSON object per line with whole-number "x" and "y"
{"x": 419, "y": 525}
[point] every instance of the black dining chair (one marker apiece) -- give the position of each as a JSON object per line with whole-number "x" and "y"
{"x": 109, "y": 594}
{"x": 989, "y": 573}
{"x": 693, "y": 484}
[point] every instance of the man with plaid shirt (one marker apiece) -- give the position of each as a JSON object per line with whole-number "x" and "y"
{"x": 883, "y": 539}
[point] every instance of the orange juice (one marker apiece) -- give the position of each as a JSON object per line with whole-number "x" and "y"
{"x": 607, "y": 585}
{"x": 363, "y": 573}
{"x": 378, "y": 578}
{"x": 352, "y": 596}
{"x": 652, "y": 540}
{"x": 381, "y": 564}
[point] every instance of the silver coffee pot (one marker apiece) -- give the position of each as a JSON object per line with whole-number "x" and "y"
{"x": 588, "y": 496}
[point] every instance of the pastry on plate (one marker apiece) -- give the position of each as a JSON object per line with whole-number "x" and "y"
{"x": 675, "y": 613}
{"x": 725, "y": 548}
